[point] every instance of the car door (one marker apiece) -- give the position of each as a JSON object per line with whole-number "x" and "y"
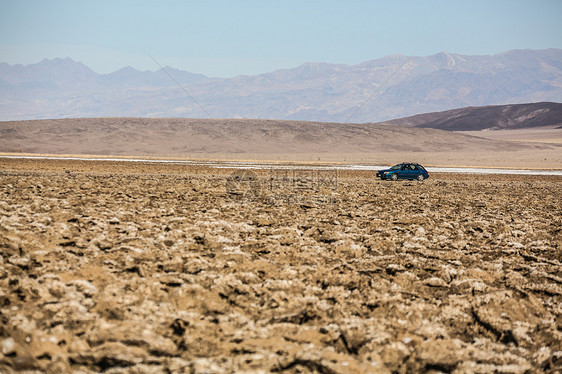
{"x": 404, "y": 171}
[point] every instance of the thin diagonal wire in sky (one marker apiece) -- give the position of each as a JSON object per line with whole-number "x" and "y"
{"x": 197, "y": 102}
{"x": 368, "y": 99}
{"x": 180, "y": 86}
{"x": 378, "y": 89}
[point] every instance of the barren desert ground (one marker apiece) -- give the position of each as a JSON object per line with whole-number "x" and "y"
{"x": 543, "y": 134}
{"x": 154, "y": 268}
{"x": 276, "y": 140}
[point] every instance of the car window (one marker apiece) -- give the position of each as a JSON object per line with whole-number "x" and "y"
{"x": 414, "y": 167}
{"x": 395, "y": 167}
{"x": 405, "y": 167}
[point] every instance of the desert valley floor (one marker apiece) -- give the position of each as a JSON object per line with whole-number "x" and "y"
{"x": 153, "y": 268}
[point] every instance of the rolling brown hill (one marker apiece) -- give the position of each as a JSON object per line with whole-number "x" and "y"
{"x": 250, "y": 139}
{"x": 497, "y": 117}
{"x": 173, "y": 136}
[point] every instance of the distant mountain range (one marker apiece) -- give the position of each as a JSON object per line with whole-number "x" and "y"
{"x": 63, "y": 88}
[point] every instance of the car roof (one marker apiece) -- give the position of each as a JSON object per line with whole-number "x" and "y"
{"x": 409, "y": 163}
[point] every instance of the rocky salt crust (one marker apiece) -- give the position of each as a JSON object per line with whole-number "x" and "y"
{"x": 149, "y": 271}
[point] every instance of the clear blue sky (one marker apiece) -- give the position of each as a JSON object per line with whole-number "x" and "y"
{"x": 229, "y": 38}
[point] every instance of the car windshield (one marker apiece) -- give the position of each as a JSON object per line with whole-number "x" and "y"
{"x": 396, "y": 167}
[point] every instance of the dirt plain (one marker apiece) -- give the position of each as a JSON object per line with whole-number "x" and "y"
{"x": 543, "y": 134}
{"x": 144, "y": 268}
{"x": 276, "y": 140}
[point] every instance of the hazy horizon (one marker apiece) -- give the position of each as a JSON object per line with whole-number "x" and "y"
{"x": 157, "y": 68}
{"x": 227, "y": 39}
{"x": 329, "y": 93}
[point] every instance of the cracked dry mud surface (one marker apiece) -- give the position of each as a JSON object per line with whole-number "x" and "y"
{"x": 118, "y": 268}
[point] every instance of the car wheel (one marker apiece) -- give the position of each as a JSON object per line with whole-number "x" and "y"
{"x": 394, "y": 177}
{"x": 421, "y": 177}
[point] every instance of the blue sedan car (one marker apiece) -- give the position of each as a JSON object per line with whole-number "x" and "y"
{"x": 405, "y": 170}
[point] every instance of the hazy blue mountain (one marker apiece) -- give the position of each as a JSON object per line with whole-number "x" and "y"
{"x": 61, "y": 88}
{"x": 130, "y": 77}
